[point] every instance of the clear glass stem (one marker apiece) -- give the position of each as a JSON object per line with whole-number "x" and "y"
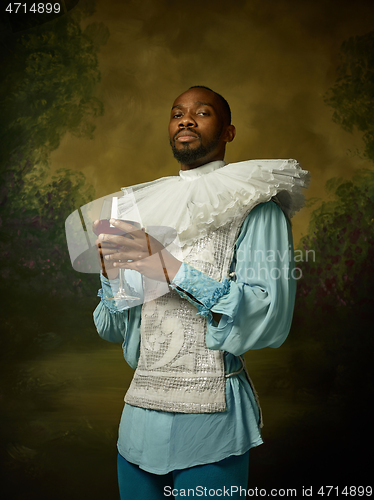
{"x": 121, "y": 288}
{"x": 122, "y": 293}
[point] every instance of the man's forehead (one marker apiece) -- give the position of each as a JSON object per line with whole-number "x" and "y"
{"x": 196, "y": 97}
{"x": 197, "y": 103}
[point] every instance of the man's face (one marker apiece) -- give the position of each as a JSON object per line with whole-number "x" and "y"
{"x": 198, "y": 130}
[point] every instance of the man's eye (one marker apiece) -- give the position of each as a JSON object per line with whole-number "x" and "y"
{"x": 204, "y": 113}
{"x": 177, "y": 115}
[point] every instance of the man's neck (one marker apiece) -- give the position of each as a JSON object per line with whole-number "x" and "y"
{"x": 201, "y": 162}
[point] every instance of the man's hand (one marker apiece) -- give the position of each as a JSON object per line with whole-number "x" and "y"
{"x": 103, "y": 249}
{"x": 147, "y": 255}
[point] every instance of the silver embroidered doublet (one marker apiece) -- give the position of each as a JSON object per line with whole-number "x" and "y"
{"x": 176, "y": 371}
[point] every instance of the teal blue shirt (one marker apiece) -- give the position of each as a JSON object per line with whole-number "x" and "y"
{"x": 256, "y": 308}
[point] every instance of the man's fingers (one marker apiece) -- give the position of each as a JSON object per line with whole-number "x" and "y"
{"x": 124, "y": 226}
{"x": 124, "y": 256}
{"x": 105, "y": 244}
{"x": 109, "y": 250}
{"x": 137, "y": 241}
{"x": 116, "y": 240}
{"x": 136, "y": 245}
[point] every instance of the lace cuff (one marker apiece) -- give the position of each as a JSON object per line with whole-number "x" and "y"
{"x": 198, "y": 288}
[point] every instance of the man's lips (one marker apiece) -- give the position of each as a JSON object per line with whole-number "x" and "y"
{"x": 186, "y": 136}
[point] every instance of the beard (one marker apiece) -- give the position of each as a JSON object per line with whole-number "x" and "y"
{"x": 188, "y": 155}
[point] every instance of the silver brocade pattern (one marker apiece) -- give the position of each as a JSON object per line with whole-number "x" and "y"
{"x": 176, "y": 371}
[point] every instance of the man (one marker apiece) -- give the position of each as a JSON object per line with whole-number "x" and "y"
{"x": 191, "y": 414}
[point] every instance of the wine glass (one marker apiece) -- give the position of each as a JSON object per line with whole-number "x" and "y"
{"x": 105, "y": 227}
{"x": 81, "y": 236}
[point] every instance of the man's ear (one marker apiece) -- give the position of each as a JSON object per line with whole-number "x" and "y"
{"x": 229, "y": 134}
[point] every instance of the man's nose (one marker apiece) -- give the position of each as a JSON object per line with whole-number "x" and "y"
{"x": 186, "y": 121}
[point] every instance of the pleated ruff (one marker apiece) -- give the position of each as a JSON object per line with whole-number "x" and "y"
{"x": 210, "y": 196}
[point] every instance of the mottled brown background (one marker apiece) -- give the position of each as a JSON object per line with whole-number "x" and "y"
{"x": 61, "y": 386}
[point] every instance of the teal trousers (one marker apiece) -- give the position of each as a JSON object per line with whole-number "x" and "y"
{"x": 227, "y": 479}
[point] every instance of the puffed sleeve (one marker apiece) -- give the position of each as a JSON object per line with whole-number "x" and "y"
{"x": 116, "y": 325}
{"x": 257, "y": 307}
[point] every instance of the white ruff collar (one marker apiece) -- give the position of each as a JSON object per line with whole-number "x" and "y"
{"x": 210, "y": 196}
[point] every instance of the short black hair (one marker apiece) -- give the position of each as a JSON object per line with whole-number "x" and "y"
{"x": 225, "y": 104}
